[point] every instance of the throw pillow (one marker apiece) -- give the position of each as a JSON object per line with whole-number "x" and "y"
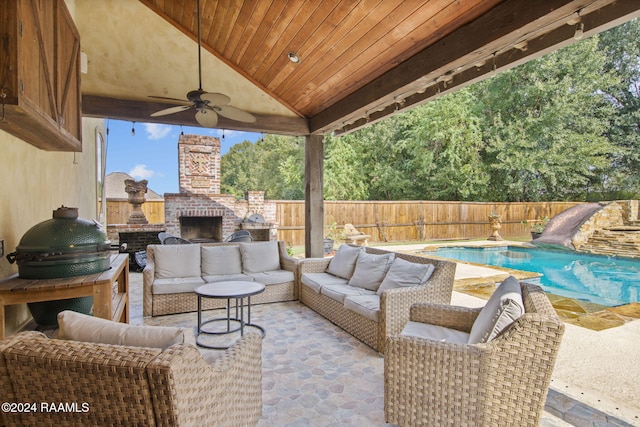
{"x": 403, "y": 273}
{"x": 260, "y": 256}
{"x": 177, "y": 261}
{"x": 344, "y": 261}
{"x": 221, "y": 260}
{"x": 504, "y": 307}
{"x": 370, "y": 270}
{"x": 81, "y": 327}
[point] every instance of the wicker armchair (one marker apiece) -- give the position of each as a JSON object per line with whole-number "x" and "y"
{"x": 502, "y": 382}
{"x": 100, "y": 384}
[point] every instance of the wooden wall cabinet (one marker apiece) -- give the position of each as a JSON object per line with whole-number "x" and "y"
{"x": 40, "y": 100}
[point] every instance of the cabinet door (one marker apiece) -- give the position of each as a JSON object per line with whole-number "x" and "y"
{"x": 67, "y": 55}
{"x": 36, "y": 58}
{"x": 40, "y": 74}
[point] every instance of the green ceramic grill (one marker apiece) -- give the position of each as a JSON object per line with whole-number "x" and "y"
{"x": 63, "y": 246}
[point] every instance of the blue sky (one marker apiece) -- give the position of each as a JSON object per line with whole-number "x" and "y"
{"x": 152, "y": 153}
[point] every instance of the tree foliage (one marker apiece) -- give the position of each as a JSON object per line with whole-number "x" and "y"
{"x": 563, "y": 126}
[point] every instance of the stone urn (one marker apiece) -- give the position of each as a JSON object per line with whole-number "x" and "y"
{"x": 496, "y": 225}
{"x": 136, "y": 191}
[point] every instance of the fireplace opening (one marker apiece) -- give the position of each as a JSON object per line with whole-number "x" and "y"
{"x": 201, "y": 228}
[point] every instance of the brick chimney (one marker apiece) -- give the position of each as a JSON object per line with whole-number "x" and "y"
{"x": 199, "y": 164}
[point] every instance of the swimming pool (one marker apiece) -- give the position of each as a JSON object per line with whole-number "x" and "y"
{"x": 609, "y": 281}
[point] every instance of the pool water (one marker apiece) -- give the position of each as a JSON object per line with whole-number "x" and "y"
{"x": 604, "y": 280}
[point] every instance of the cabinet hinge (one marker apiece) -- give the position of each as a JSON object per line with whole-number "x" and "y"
{"x": 21, "y": 86}
{"x": 20, "y": 28}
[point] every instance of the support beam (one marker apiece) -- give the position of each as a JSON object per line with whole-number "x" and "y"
{"x": 314, "y": 196}
{"x": 140, "y": 111}
{"x": 595, "y": 22}
{"x": 508, "y": 24}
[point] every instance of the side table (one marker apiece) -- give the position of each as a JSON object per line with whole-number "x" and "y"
{"x": 238, "y": 290}
{"x": 109, "y": 289}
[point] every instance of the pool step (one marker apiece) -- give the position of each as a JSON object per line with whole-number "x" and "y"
{"x": 622, "y": 241}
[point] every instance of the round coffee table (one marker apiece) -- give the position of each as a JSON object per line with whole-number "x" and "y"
{"x": 232, "y": 289}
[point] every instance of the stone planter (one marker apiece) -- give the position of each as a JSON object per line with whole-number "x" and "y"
{"x": 328, "y": 246}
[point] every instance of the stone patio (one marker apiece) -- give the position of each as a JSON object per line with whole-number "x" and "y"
{"x": 315, "y": 374}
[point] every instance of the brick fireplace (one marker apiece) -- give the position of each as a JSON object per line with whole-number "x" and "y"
{"x": 199, "y": 212}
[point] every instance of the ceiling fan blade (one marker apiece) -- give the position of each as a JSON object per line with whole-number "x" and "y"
{"x": 215, "y": 98}
{"x": 234, "y": 113}
{"x": 170, "y": 99}
{"x": 171, "y": 110}
{"x": 207, "y": 118}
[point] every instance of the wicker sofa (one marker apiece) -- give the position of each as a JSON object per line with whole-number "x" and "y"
{"x": 368, "y": 311}
{"x": 103, "y": 384}
{"x": 174, "y": 271}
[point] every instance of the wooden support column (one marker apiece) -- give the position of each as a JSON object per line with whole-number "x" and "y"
{"x": 314, "y": 196}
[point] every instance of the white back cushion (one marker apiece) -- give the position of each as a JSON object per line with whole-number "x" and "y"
{"x": 259, "y": 256}
{"x": 221, "y": 260}
{"x": 403, "y": 273}
{"x": 344, "y": 261}
{"x": 503, "y": 308}
{"x": 370, "y": 270}
{"x": 177, "y": 261}
{"x": 81, "y": 327}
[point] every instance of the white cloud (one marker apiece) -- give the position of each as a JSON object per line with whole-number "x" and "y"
{"x": 141, "y": 172}
{"x": 157, "y": 131}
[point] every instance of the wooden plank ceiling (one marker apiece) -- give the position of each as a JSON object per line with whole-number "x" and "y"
{"x": 362, "y": 60}
{"x": 341, "y": 44}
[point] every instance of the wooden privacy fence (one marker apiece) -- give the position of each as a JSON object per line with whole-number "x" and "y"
{"x": 417, "y": 220}
{"x": 118, "y": 211}
{"x": 389, "y": 221}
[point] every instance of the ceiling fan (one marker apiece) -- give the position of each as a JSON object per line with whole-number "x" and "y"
{"x": 207, "y": 104}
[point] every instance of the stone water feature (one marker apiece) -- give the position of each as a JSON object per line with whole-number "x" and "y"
{"x": 606, "y": 228}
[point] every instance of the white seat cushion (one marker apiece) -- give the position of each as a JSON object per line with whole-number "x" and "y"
{"x": 370, "y": 270}
{"x": 316, "y": 281}
{"x": 177, "y": 261}
{"x": 434, "y": 333}
{"x": 403, "y": 273}
{"x": 221, "y": 260}
{"x": 260, "y": 256}
{"x": 176, "y": 285}
{"x": 504, "y": 307}
{"x": 344, "y": 261}
{"x": 340, "y": 292}
{"x": 273, "y": 277}
{"x": 365, "y": 305}
{"x": 81, "y": 327}
{"x": 225, "y": 277}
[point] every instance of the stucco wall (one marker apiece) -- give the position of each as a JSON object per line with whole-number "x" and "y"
{"x": 33, "y": 184}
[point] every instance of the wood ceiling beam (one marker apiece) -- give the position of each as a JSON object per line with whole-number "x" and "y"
{"x": 140, "y": 111}
{"x": 595, "y": 22}
{"x": 504, "y": 25}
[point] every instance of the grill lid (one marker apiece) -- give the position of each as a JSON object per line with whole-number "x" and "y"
{"x": 65, "y": 236}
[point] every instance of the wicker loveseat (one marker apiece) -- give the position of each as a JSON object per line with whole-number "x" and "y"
{"x": 169, "y": 280}
{"x": 369, "y": 312}
{"x": 446, "y": 380}
{"x": 81, "y": 383}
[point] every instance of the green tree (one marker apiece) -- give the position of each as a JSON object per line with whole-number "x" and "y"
{"x": 621, "y": 46}
{"x": 274, "y": 164}
{"x": 343, "y": 177}
{"x": 236, "y": 169}
{"x": 545, "y": 125}
{"x": 446, "y": 140}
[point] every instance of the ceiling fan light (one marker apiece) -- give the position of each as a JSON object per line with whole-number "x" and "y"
{"x": 293, "y": 57}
